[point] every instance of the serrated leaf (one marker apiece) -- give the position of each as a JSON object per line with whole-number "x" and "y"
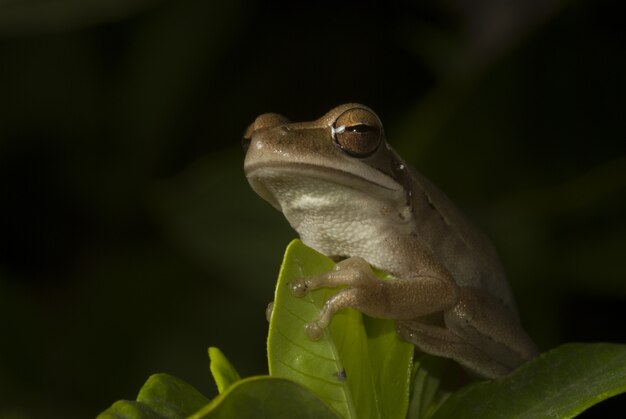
{"x": 558, "y": 384}
{"x": 266, "y": 397}
{"x": 162, "y": 396}
{"x": 224, "y": 373}
{"x": 361, "y": 369}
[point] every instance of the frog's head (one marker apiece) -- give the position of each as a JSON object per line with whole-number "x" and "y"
{"x": 315, "y": 162}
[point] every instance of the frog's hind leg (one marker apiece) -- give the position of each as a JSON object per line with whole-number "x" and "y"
{"x": 439, "y": 341}
{"x": 479, "y": 333}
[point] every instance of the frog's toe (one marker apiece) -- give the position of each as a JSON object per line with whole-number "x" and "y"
{"x": 269, "y": 311}
{"x": 313, "y": 330}
{"x": 298, "y": 288}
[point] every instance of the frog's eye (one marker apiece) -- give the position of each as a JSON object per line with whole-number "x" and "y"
{"x": 358, "y": 132}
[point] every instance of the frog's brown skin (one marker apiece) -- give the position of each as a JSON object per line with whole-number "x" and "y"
{"x": 349, "y": 194}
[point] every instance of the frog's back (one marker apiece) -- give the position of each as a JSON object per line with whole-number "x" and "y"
{"x": 464, "y": 249}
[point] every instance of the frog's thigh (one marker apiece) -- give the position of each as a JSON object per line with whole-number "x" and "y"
{"x": 486, "y": 323}
{"x": 440, "y": 341}
{"x": 473, "y": 335}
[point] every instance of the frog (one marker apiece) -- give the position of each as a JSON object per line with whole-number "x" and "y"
{"x": 349, "y": 195}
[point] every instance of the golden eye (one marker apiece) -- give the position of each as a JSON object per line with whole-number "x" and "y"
{"x": 358, "y": 132}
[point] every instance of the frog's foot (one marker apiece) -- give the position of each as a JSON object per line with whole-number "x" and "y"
{"x": 353, "y": 273}
{"x": 349, "y": 297}
{"x": 350, "y": 271}
{"x": 314, "y": 330}
{"x": 369, "y": 294}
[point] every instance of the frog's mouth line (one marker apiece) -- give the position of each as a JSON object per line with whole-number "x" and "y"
{"x": 259, "y": 175}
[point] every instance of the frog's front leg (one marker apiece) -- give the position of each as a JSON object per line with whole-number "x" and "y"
{"x": 388, "y": 299}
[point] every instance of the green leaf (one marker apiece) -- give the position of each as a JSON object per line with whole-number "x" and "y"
{"x": 171, "y": 397}
{"x": 266, "y": 397}
{"x": 427, "y": 391}
{"x": 126, "y": 409}
{"x": 558, "y": 384}
{"x": 391, "y": 362}
{"x": 162, "y": 396}
{"x": 223, "y": 371}
{"x": 360, "y": 368}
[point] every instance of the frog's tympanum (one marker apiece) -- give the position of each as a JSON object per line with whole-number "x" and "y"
{"x": 350, "y": 196}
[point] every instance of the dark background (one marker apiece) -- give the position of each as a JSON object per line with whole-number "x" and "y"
{"x": 130, "y": 240}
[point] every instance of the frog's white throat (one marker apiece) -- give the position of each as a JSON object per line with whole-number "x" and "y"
{"x": 336, "y": 215}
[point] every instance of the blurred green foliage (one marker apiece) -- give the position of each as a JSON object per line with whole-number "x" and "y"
{"x": 130, "y": 241}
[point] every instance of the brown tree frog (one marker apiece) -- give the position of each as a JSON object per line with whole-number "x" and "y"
{"x": 349, "y": 195}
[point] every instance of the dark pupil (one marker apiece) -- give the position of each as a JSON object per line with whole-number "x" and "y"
{"x": 360, "y": 128}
